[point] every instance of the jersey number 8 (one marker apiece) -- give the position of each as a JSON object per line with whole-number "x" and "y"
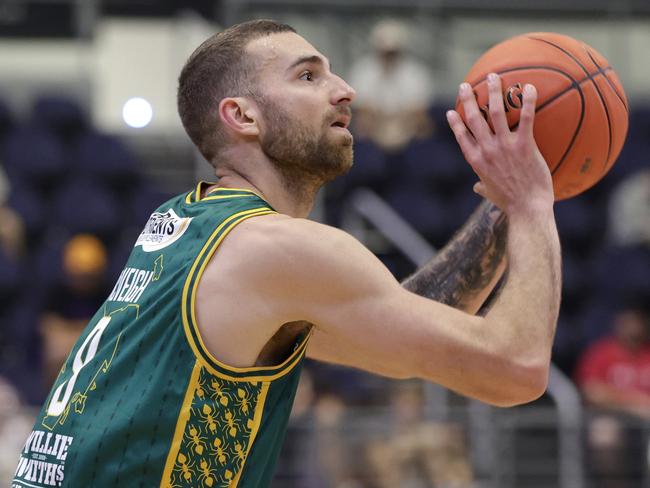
{"x": 84, "y": 355}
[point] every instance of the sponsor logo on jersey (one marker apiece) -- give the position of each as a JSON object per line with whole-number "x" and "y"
{"x": 161, "y": 230}
{"x": 42, "y": 460}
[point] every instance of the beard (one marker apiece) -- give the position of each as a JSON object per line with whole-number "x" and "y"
{"x": 301, "y": 155}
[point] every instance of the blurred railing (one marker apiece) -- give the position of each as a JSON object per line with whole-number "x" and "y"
{"x": 373, "y": 448}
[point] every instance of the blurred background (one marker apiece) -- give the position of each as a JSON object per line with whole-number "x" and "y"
{"x": 90, "y": 144}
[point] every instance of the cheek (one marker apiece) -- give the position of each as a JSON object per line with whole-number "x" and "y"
{"x": 308, "y": 103}
{"x": 308, "y": 113}
{"x": 304, "y": 108}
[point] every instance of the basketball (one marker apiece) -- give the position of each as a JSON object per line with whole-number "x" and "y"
{"x": 581, "y": 116}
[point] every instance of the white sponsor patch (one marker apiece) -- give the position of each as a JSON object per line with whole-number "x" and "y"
{"x": 161, "y": 230}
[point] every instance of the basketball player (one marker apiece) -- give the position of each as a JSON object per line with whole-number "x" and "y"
{"x": 186, "y": 375}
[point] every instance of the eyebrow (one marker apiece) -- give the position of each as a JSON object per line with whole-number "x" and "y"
{"x": 309, "y": 59}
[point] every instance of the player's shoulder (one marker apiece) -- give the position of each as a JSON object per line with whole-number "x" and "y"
{"x": 280, "y": 234}
{"x": 302, "y": 251}
{"x": 287, "y": 259}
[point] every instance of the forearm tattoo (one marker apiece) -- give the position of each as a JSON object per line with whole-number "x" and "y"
{"x": 468, "y": 263}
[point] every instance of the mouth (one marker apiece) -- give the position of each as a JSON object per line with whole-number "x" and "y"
{"x": 342, "y": 121}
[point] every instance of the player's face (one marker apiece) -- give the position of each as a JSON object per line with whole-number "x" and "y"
{"x": 305, "y": 108}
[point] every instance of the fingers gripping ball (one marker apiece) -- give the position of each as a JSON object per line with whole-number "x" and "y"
{"x": 581, "y": 117}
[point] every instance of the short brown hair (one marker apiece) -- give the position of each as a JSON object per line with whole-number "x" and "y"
{"x": 217, "y": 69}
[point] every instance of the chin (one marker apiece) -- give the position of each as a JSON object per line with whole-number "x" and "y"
{"x": 346, "y": 164}
{"x": 337, "y": 168}
{"x": 348, "y": 139}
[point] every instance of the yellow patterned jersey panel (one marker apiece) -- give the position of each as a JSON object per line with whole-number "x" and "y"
{"x": 222, "y": 423}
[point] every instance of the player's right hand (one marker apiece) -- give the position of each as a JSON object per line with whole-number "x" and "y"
{"x": 513, "y": 173}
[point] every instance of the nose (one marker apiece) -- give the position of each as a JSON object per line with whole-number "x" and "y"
{"x": 342, "y": 94}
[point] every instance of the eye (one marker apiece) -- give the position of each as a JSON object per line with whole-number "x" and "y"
{"x": 306, "y": 76}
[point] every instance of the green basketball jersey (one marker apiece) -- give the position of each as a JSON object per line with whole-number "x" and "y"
{"x": 140, "y": 401}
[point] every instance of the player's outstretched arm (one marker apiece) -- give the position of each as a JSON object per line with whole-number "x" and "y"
{"x": 467, "y": 269}
{"x": 363, "y": 318}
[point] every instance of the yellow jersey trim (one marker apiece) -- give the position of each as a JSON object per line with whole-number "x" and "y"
{"x": 227, "y": 188}
{"x": 189, "y": 319}
{"x": 195, "y": 195}
{"x": 197, "y": 191}
{"x": 183, "y": 417}
{"x": 252, "y": 369}
{"x": 232, "y": 220}
{"x": 221, "y": 197}
{"x": 257, "y": 422}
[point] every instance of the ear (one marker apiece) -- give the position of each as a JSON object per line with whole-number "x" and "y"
{"x": 240, "y": 115}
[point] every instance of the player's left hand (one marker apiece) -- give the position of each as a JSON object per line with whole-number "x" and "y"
{"x": 513, "y": 174}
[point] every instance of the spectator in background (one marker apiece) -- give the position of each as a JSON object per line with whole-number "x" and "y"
{"x": 71, "y": 305}
{"x": 419, "y": 453}
{"x": 394, "y": 90}
{"x": 629, "y": 210}
{"x": 16, "y": 421}
{"x": 614, "y": 373}
{"x": 614, "y": 376}
{"x": 12, "y": 235}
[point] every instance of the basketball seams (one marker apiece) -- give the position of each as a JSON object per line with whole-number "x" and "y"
{"x": 600, "y": 95}
{"x": 609, "y": 82}
{"x": 613, "y": 88}
{"x": 602, "y": 98}
{"x": 574, "y": 83}
{"x": 575, "y": 132}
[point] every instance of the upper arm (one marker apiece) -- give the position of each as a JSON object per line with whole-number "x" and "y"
{"x": 364, "y": 318}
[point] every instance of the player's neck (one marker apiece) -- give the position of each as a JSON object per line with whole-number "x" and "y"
{"x": 292, "y": 198}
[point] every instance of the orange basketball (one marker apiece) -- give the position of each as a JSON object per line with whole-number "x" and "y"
{"x": 581, "y": 116}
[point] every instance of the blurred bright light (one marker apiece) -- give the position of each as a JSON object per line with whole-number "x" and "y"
{"x": 137, "y": 112}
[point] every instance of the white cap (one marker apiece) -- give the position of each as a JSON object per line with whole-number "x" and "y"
{"x": 389, "y": 35}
